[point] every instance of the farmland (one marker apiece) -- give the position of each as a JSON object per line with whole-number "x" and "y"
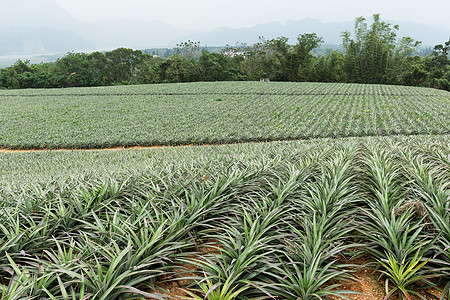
{"x": 215, "y": 113}
{"x": 345, "y": 181}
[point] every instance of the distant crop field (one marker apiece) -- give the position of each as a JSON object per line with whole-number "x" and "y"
{"x": 215, "y": 113}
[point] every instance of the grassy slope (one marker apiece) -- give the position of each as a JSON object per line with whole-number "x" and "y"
{"x": 172, "y": 114}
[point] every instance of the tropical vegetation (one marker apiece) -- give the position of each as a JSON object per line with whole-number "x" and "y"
{"x": 371, "y": 54}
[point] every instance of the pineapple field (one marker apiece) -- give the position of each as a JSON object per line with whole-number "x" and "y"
{"x": 258, "y": 191}
{"x": 215, "y": 113}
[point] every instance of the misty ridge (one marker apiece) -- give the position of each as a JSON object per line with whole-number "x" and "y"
{"x": 40, "y": 27}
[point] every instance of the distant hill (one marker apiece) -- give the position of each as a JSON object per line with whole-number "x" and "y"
{"x": 222, "y": 36}
{"x": 330, "y": 32}
{"x": 25, "y": 41}
{"x": 110, "y": 34}
{"x": 38, "y": 27}
{"x": 41, "y": 27}
{"x": 34, "y": 13}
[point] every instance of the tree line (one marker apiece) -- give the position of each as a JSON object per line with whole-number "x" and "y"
{"x": 371, "y": 54}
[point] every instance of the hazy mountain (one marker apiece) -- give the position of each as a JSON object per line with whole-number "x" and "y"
{"x": 32, "y": 13}
{"x": 330, "y": 32}
{"x": 34, "y": 27}
{"x": 222, "y": 36}
{"x": 429, "y": 35}
{"x": 24, "y": 41}
{"x": 38, "y": 27}
{"x": 109, "y": 34}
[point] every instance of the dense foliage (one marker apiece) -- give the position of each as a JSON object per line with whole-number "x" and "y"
{"x": 251, "y": 221}
{"x": 219, "y": 112}
{"x": 373, "y": 54}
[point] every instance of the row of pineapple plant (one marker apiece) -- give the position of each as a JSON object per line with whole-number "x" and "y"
{"x": 215, "y": 113}
{"x": 275, "y": 228}
{"x": 233, "y": 87}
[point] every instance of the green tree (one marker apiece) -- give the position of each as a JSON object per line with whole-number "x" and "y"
{"x": 414, "y": 72}
{"x": 286, "y": 60}
{"x": 189, "y": 50}
{"x": 98, "y": 64}
{"x": 401, "y": 60}
{"x": 370, "y": 54}
{"x": 11, "y": 77}
{"x": 305, "y": 44}
{"x": 122, "y": 65}
{"x": 76, "y": 69}
{"x": 329, "y": 68}
{"x": 295, "y": 61}
{"x": 439, "y": 66}
{"x": 216, "y": 67}
{"x": 179, "y": 69}
{"x": 148, "y": 71}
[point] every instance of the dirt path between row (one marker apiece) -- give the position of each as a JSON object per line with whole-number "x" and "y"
{"x": 5, "y": 150}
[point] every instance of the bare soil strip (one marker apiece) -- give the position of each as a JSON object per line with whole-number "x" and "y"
{"x": 5, "y": 150}
{"x": 367, "y": 283}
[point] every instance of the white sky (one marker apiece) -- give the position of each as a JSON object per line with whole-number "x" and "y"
{"x": 204, "y": 14}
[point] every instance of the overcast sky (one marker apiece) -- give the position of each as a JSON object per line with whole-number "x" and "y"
{"x": 208, "y": 14}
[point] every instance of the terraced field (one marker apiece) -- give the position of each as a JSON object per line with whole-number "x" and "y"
{"x": 326, "y": 217}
